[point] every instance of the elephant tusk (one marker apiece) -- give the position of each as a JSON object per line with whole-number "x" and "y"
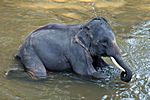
{"x": 114, "y": 61}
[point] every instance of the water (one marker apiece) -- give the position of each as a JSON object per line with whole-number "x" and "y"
{"x": 130, "y": 21}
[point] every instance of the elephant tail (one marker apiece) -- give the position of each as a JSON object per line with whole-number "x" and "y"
{"x": 17, "y": 56}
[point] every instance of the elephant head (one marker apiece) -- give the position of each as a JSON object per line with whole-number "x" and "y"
{"x": 100, "y": 40}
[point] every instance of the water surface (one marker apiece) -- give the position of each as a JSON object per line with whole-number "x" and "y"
{"x": 130, "y": 21}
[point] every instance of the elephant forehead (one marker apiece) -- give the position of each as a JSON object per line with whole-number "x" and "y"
{"x": 98, "y": 20}
{"x": 106, "y": 36}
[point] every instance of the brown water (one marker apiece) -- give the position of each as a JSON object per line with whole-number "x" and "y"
{"x": 130, "y": 20}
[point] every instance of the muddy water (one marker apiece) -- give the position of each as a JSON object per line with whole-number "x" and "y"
{"x": 130, "y": 20}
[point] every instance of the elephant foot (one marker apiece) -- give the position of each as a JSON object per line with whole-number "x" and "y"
{"x": 33, "y": 76}
{"x": 98, "y": 75}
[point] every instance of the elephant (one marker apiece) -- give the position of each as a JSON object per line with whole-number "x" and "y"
{"x": 78, "y": 48}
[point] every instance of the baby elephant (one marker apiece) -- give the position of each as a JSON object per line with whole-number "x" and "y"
{"x": 57, "y": 47}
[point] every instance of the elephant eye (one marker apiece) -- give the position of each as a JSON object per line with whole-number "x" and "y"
{"x": 87, "y": 28}
{"x": 104, "y": 42}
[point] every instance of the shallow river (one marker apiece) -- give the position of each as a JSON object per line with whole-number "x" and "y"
{"x": 130, "y": 20}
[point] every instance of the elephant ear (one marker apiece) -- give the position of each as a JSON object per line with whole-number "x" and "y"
{"x": 85, "y": 35}
{"x": 86, "y": 28}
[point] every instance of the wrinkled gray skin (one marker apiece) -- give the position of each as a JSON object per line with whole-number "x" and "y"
{"x": 57, "y": 47}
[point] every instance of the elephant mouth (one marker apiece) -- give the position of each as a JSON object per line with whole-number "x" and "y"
{"x": 103, "y": 63}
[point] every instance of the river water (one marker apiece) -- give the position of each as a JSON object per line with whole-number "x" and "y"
{"x": 130, "y": 20}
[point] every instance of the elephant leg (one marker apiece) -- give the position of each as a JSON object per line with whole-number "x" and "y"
{"x": 34, "y": 66}
{"x": 82, "y": 65}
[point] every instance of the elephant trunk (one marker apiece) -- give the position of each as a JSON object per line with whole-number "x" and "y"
{"x": 126, "y": 73}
